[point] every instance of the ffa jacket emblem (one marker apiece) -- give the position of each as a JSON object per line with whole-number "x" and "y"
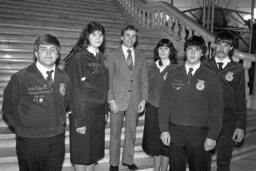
{"x": 200, "y": 85}
{"x": 63, "y": 89}
{"x": 105, "y": 63}
{"x": 41, "y": 100}
{"x": 83, "y": 78}
{"x": 229, "y": 76}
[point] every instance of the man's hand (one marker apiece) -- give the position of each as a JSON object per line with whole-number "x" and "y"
{"x": 238, "y": 135}
{"x": 81, "y": 130}
{"x": 141, "y": 106}
{"x": 114, "y": 108}
{"x": 166, "y": 138}
{"x": 107, "y": 116}
{"x": 209, "y": 144}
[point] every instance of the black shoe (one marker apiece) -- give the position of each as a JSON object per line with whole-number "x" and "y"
{"x": 131, "y": 166}
{"x": 113, "y": 168}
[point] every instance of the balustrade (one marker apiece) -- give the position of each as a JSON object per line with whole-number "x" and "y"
{"x": 164, "y": 16}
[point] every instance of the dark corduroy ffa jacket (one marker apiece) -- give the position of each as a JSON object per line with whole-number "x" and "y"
{"x": 32, "y": 108}
{"x": 89, "y": 83}
{"x": 232, "y": 79}
{"x": 156, "y": 81}
{"x": 198, "y": 103}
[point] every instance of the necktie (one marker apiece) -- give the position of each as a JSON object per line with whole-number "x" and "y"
{"x": 190, "y": 74}
{"x": 129, "y": 60}
{"x": 49, "y": 78}
{"x": 97, "y": 56}
{"x": 220, "y": 64}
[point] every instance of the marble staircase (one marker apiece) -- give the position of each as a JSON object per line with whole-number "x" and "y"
{"x": 21, "y": 21}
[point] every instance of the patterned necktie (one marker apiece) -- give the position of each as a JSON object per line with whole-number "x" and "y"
{"x": 129, "y": 60}
{"x": 190, "y": 74}
{"x": 49, "y": 78}
{"x": 220, "y": 64}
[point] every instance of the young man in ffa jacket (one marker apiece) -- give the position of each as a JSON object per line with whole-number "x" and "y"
{"x": 34, "y": 105}
{"x": 232, "y": 79}
{"x": 190, "y": 110}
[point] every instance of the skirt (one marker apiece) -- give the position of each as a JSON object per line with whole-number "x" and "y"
{"x": 151, "y": 142}
{"x": 88, "y": 148}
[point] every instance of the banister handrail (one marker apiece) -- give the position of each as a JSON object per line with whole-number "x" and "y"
{"x": 172, "y": 11}
{"x": 178, "y": 26}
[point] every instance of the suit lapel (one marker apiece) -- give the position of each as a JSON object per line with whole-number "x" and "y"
{"x": 137, "y": 61}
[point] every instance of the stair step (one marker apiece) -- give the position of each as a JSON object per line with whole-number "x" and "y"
{"x": 28, "y": 37}
{"x": 22, "y": 21}
{"x": 249, "y": 148}
{"x": 14, "y": 64}
{"x": 25, "y": 30}
{"x": 56, "y": 11}
{"x": 65, "y": 47}
{"x": 27, "y": 16}
{"x": 81, "y": 6}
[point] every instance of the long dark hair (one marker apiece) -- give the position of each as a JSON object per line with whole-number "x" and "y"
{"x": 83, "y": 40}
{"x": 166, "y": 43}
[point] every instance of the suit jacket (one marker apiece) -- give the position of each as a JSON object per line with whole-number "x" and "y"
{"x": 125, "y": 88}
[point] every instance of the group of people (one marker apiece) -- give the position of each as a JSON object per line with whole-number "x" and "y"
{"x": 191, "y": 109}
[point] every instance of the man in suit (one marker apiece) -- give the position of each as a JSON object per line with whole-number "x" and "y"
{"x": 34, "y": 105}
{"x": 128, "y": 92}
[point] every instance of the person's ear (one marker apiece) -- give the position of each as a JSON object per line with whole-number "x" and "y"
{"x": 36, "y": 54}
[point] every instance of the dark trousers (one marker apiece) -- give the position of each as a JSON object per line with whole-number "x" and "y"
{"x": 41, "y": 154}
{"x": 187, "y": 146}
{"x": 224, "y": 148}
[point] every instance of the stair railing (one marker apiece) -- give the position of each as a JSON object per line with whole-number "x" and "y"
{"x": 165, "y": 17}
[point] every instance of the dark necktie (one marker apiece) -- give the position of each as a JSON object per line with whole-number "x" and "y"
{"x": 97, "y": 56}
{"x": 129, "y": 60}
{"x": 220, "y": 64}
{"x": 49, "y": 78}
{"x": 190, "y": 74}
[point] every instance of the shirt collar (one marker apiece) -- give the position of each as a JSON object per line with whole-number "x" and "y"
{"x": 93, "y": 50}
{"x": 161, "y": 68}
{"x": 43, "y": 69}
{"x": 195, "y": 67}
{"x": 124, "y": 48}
{"x": 224, "y": 61}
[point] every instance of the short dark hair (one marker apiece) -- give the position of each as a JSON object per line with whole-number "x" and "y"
{"x": 196, "y": 41}
{"x": 47, "y": 39}
{"x": 226, "y": 37}
{"x": 129, "y": 27}
{"x": 169, "y": 44}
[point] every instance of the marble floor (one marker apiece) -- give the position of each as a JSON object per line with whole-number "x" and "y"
{"x": 245, "y": 164}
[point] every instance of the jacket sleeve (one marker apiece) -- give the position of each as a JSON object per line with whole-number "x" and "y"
{"x": 240, "y": 101}
{"x": 67, "y": 96}
{"x": 164, "y": 103}
{"x": 111, "y": 65}
{"x": 74, "y": 70}
{"x": 12, "y": 96}
{"x": 215, "y": 108}
{"x": 144, "y": 79}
